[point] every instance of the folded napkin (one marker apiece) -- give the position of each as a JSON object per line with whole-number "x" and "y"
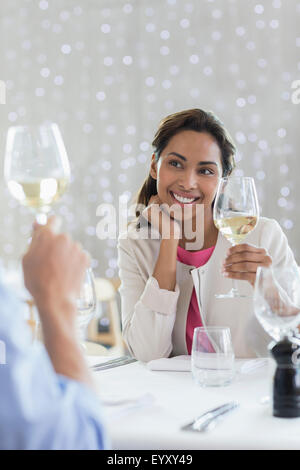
{"x": 183, "y": 364}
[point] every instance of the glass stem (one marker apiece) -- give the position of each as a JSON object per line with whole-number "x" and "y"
{"x": 41, "y": 218}
{"x": 234, "y": 283}
{"x": 234, "y": 286}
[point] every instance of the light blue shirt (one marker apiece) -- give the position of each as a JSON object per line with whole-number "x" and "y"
{"x": 40, "y": 409}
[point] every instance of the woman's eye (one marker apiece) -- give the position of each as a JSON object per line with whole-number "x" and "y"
{"x": 206, "y": 171}
{"x": 175, "y": 163}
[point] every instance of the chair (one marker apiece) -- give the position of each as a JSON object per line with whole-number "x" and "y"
{"x": 106, "y": 292}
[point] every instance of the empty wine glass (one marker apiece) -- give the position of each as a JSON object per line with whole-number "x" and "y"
{"x": 36, "y": 167}
{"x": 277, "y": 300}
{"x": 86, "y": 303}
{"x": 277, "y": 308}
{"x": 235, "y": 214}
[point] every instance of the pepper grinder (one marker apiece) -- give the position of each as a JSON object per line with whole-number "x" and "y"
{"x": 286, "y": 382}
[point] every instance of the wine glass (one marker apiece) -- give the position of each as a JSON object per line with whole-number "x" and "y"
{"x": 277, "y": 308}
{"x": 36, "y": 167}
{"x": 86, "y": 304}
{"x": 235, "y": 213}
{"x": 277, "y": 300}
{"x": 37, "y": 173}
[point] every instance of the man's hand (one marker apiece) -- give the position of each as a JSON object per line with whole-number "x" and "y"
{"x": 243, "y": 260}
{"x": 53, "y": 267}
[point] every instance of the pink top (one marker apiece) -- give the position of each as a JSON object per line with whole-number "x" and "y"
{"x": 197, "y": 259}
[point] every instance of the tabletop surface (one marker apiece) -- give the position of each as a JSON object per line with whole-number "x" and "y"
{"x": 169, "y": 400}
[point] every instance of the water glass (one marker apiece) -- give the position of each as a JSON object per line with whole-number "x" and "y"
{"x": 212, "y": 356}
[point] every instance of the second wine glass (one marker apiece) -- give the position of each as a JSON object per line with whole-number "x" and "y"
{"x": 236, "y": 213}
{"x": 36, "y": 167}
{"x": 86, "y": 304}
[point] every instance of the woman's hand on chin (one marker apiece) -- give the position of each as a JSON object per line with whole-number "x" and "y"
{"x": 158, "y": 215}
{"x": 243, "y": 260}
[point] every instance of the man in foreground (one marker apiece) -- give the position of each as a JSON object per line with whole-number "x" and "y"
{"x": 47, "y": 399}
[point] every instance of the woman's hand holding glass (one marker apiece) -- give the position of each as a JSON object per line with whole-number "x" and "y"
{"x": 235, "y": 214}
{"x": 242, "y": 262}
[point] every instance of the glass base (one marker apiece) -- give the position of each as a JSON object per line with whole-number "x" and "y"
{"x": 213, "y": 378}
{"x": 233, "y": 293}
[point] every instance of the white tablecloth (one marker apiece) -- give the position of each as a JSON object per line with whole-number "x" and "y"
{"x": 177, "y": 400}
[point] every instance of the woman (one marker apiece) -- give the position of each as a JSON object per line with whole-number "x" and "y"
{"x": 167, "y": 287}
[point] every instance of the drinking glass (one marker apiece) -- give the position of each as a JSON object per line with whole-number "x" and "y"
{"x": 37, "y": 173}
{"x": 277, "y": 308}
{"x": 212, "y": 356}
{"x": 36, "y": 167}
{"x": 277, "y": 300}
{"x": 86, "y": 303}
{"x": 235, "y": 214}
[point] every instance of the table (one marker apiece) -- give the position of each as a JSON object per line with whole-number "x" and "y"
{"x": 178, "y": 400}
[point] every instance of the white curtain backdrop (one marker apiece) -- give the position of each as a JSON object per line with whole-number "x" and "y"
{"x": 107, "y": 71}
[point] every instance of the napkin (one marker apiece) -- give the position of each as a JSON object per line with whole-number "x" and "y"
{"x": 183, "y": 364}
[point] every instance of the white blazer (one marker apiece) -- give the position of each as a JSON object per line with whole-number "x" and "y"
{"x": 154, "y": 319}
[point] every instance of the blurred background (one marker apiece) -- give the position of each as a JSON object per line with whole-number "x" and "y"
{"x": 107, "y": 71}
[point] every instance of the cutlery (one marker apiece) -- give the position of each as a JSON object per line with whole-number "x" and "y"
{"x": 209, "y": 419}
{"x": 111, "y": 365}
{"x": 112, "y": 361}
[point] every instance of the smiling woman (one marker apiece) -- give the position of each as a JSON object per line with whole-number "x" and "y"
{"x": 167, "y": 288}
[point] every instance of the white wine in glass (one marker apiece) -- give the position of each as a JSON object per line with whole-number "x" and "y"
{"x": 235, "y": 229}
{"x": 36, "y": 167}
{"x": 236, "y": 213}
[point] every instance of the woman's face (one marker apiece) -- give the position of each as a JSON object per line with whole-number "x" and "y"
{"x": 188, "y": 170}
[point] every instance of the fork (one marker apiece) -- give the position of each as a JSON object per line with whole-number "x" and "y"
{"x": 209, "y": 419}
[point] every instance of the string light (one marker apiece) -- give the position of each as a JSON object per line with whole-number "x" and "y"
{"x": 107, "y": 75}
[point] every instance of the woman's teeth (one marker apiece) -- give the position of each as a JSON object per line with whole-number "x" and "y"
{"x": 184, "y": 200}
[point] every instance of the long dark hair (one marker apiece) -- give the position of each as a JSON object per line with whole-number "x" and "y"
{"x": 192, "y": 120}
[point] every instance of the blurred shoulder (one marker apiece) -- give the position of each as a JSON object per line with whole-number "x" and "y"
{"x": 269, "y": 227}
{"x": 274, "y": 240}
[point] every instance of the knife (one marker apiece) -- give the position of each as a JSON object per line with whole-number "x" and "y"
{"x": 112, "y": 361}
{"x": 111, "y": 365}
{"x": 209, "y": 419}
